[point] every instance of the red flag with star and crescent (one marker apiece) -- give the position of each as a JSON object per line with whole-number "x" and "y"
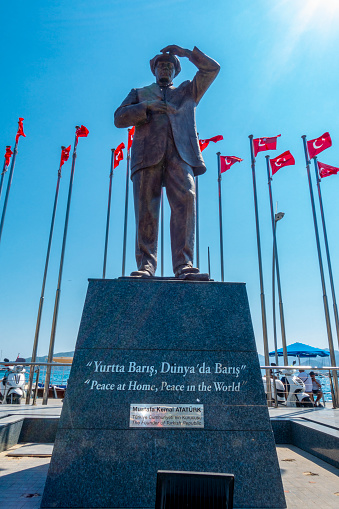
{"x": 81, "y": 132}
{"x": 8, "y": 155}
{"x": 325, "y": 170}
{"x": 227, "y": 161}
{"x": 263, "y": 144}
{"x": 64, "y": 155}
{"x": 317, "y": 145}
{"x": 130, "y": 137}
{"x": 204, "y": 143}
{"x": 20, "y": 130}
{"x": 285, "y": 159}
{"x": 118, "y": 154}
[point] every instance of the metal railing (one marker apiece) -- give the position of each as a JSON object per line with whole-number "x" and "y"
{"x": 282, "y": 370}
{"x": 274, "y": 370}
{"x": 29, "y": 389}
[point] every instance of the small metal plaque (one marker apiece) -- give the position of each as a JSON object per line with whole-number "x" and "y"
{"x": 166, "y": 416}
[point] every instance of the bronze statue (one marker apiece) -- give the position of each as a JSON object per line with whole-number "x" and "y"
{"x": 165, "y": 152}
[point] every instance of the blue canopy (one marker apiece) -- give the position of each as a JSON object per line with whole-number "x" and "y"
{"x": 301, "y": 350}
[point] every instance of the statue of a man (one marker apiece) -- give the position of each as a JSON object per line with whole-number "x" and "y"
{"x": 165, "y": 152}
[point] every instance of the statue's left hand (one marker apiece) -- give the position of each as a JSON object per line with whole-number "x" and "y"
{"x": 176, "y": 50}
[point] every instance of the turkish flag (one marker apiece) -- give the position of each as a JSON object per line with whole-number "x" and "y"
{"x": 204, "y": 143}
{"x": 316, "y": 146}
{"x": 8, "y": 155}
{"x": 262, "y": 144}
{"x": 285, "y": 159}
{"x": 82, "y": 132}
{"x": 64, "y": 155}
{"x": 227, "y": 161}
{"x": 20, "y": 130}
{"x": 326, "y": 170}
{"x": 130, "y": 137}
{"x": 118, "y": 154}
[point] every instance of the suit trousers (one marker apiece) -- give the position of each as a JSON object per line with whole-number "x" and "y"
{"x": 178, "y": 178}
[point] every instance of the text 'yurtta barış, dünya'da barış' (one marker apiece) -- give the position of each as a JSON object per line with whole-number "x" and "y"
{"x": 166, "y": 367}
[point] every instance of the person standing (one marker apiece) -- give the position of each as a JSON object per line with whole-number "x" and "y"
{"x": 307, "y": 380}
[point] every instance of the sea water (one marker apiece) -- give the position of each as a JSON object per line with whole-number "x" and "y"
{"x": 59, "y": 375}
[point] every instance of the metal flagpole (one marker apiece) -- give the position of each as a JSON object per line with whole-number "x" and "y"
{"x": 15, "y": 151}
{"x": 335, "y": 308}
{"x": 209, "y": 262}
{"x": 261, "y": 279}
{"x": 275, "y": 250}
{"x": 126, "y": 211}
{"x": 4, "y": 169}
{"x": 42, "y": 296}
{"x": 326, "y": 310}
{"x": 108, "y": 213}
{"x": 162, "y": 230}
{"x": 273, "y": 310}
{"x": 277, "y": 217}
{"x": 58, "y": 291}
{"x": 220, "y": 220}
{"x": 197, "y": 238}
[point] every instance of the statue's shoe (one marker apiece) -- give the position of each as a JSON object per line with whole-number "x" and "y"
{"x": 191, "y": 273}
{"x": 195, "y": 276}
{"x": 186, "y": 269}
{"x": 141, "y": 273}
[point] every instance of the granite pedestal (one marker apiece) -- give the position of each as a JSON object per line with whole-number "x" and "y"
{"x": 165, "y": 377}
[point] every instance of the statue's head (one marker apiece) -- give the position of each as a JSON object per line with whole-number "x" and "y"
{"x": 165, "y": 68}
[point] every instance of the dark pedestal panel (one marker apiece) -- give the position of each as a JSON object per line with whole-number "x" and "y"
{"x": 148, "y": 346}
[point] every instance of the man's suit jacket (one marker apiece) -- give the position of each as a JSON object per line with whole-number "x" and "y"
{"x": 151, "y": 129}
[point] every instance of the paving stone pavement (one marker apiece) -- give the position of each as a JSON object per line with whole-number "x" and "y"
{"x": 302, "y": 489}
{"x": 24, "y": 476}
{"x": 20, "y": 477}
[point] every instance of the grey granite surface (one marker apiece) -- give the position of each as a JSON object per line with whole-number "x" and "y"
{"x": 311, "y": 438}
{"x": 119, "y": 469}
{"x": 10, "y": 428}
{"x": 162, "y": 342}
{"x": 243, "y": 388}
{"x": 138, "y": 314}
{"x": 282, "y": 430}
{"x": 39, "y": 430}
{"x": 116, "y": 416}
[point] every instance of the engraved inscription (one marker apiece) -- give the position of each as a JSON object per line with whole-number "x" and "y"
{"x": 166, "y": 377}
{"x": 166, "y": 416}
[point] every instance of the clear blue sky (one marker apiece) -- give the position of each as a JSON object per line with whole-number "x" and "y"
{"x": 66, "y": 63}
